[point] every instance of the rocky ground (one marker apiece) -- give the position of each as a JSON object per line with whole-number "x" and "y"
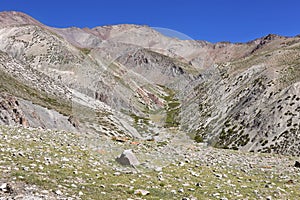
{"x": 42, "y": 164}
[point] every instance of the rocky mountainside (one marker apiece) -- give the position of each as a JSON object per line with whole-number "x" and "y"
{"x": 132, "y": 81}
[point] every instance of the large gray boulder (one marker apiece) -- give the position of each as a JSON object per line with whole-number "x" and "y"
{"x": 128, "y": 158}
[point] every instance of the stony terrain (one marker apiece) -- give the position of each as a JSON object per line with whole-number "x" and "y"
{"x": 41, "y": 164}
{"x": 72, "y": 100}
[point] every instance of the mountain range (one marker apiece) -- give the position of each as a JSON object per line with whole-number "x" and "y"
{"x": 130, "y": 81}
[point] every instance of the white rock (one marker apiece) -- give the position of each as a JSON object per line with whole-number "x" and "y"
{"x": 117, "y": 173}
{"x": 181, "y": 190}
{"x": 141, "y": 192}
{"x": 216, "y": 194}
{"x": 3, "y": 187}
{"x": 173, "y": 191}
{"x": 64, "y": 159}
{"x": 58, "y": 192}
{"x": 158, "y": 169}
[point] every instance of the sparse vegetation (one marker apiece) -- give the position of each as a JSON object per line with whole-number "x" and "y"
{"x": 86, "y": 51}
{"x": 13, "y": 86}
{"x": 198, "y": 138}
{"x": 172, "y": 109}
{"x": 61, "y": 161}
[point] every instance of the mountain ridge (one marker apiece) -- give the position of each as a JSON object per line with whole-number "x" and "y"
{"x": 21, "y": 18}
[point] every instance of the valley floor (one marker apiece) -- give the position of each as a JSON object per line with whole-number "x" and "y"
{"x": 39, "y": 164}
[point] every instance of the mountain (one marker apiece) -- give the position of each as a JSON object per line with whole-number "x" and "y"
{"x": 132, "y": 81}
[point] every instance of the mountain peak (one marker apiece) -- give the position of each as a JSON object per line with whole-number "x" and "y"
{"x": 10, "y": 18}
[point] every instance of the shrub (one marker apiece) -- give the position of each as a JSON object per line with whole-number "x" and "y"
{"x": 198, "y": 138}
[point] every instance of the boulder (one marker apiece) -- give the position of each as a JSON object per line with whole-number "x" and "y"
{"x": 128, "y": 158}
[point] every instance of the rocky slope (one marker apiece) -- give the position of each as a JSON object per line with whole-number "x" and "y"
{"x": 131, "y": 81}
{"x": 39, "y": 164}
{"x": 250, "y": 103}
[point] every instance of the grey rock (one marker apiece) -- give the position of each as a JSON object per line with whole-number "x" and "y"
{"x": 128, "y": 158}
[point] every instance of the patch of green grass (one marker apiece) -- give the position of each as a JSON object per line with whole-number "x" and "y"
{"x": 85, "y": 50}
{"x": 172, "y": 109}
{"x": 13, "y": 86}
{"x": 198, "y": 138}
{"x": 138, "y": 118}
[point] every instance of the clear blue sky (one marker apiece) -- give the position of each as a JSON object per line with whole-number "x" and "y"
{"x": 211, "y": 20}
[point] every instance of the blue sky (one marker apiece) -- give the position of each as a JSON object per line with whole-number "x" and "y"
{"x": 211, "y": 20}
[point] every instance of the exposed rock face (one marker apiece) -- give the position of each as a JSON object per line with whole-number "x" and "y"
{"x": 129, "y": 80}
{"x": 10, "y": 112}
{"x": 38, "y": 116}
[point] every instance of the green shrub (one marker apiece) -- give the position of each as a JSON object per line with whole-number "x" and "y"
{"x": 198, "y": 138}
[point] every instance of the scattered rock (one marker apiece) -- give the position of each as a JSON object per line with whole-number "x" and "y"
{"x": 141, "y": 192}
{"x": 185, "y": 184}
{"x": 6, "y": 187}
{"x": 268, "y": 198}
{"x": 117, "y": 173}
{"x": 198, "y": 185}
{"x": 194, "y": 174}
{"x": 181, "y": 190}
{"x": 218, "y": 175}
{"x": 173, "y": 191}
{"x": 297, "y": 164}
{"x": 216, "y": 194}
{"x": 158, "y": 169}
{"x": 58, "y": 192}
{"x": 45, "y": 192}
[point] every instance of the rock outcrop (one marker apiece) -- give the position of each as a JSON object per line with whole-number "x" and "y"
{"x": 10, "y": 112}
